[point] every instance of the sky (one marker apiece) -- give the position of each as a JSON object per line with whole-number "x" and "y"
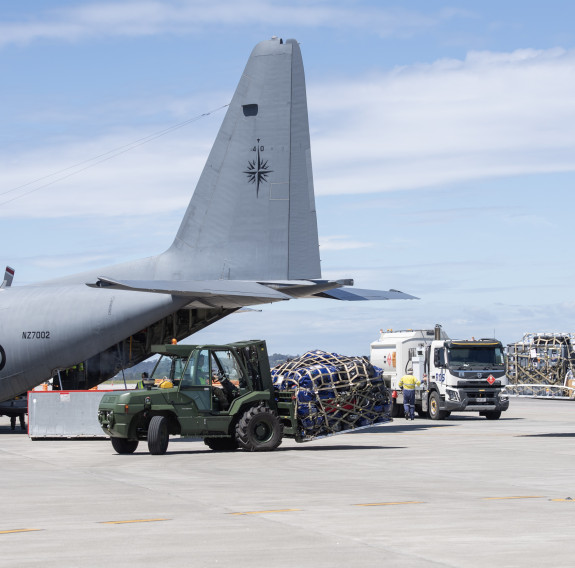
{"x": 443, "y": 149}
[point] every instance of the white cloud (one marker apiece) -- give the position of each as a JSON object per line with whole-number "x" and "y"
{"x": 151, "y": 179}
{"x": 141, "y": 18}
{"x": 492, "y": 114}
{"x": 341, "y": 242}
{"x": 347, "y": 328}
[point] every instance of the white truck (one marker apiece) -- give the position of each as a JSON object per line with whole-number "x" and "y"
{"x": 455, "y": 375}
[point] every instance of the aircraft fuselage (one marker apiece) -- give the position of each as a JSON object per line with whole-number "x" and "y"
{"x": 48, "y": 328}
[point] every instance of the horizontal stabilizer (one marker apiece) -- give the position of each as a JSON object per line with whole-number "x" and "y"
{"x": 356, "y": 294}
{"x": 195, "y": 288}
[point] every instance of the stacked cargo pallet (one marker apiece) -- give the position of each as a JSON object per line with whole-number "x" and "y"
{"x": 333, "y": 393}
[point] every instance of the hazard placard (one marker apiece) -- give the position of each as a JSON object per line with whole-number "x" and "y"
{"x": 490, "y": 379}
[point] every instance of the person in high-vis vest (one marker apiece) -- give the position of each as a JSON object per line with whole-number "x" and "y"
{"x": 408, "y": 384}
{"x": 144, "y": 383}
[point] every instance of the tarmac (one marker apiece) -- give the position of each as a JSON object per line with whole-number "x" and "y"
{"x": 463, "y": 492}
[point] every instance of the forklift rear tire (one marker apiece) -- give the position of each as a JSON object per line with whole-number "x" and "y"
{"x": 434, "y": 406}
{"x": 259, "y": 430}
{"x": 124, "y": 446}
{"x": 158, "y": 435}
{"x": 221, "y": 444}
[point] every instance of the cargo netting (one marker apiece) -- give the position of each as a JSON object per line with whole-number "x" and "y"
{"x": 333, "y": 393}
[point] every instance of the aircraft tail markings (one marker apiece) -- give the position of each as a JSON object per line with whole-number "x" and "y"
{"x": 8, "y": 277}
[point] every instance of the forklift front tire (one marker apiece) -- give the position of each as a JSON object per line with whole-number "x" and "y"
{"x": 259, "y": 430}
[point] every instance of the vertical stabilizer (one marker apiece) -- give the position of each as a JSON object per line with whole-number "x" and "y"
{"x": 252, "y": 215}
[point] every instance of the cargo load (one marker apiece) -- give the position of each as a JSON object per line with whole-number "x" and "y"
{"x": 332, "y": 393}
{"x": 542, "y": 365}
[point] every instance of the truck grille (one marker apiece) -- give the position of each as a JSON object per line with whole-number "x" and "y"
{"x": 485, "y": 397}
{"x": 478, "y": 385}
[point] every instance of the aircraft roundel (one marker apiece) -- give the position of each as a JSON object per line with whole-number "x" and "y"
{"x": 2, "y": 357}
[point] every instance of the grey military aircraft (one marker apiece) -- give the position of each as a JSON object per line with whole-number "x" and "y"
{"x": 249, "y": 236}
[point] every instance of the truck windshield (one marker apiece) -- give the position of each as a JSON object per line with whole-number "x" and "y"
{"x": 475, "y": 357}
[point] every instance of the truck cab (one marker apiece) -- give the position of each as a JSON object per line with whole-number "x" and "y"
{"x": 464, "y": 375}
{"x": 455, "y": 375}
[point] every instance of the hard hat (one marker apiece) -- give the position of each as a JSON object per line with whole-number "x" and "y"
{"x": 166, "y": 384}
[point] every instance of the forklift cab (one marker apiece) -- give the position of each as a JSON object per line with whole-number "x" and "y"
{"x": 211, "y": 376}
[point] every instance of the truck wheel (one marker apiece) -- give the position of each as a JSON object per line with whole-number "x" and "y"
{"x": 493, "y": 415}
{"x": 124, "y": 446}
{"x": 221, "y": 444}
{"x": 158, "y": 435}
{"x": 259, "y": 430}
{"x": 434, "y": 407}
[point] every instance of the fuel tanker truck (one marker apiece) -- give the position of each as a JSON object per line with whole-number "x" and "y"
{"x": 455, "y": 375}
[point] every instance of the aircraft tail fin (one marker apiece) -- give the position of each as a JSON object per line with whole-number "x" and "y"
{"x": 252, "y": 215}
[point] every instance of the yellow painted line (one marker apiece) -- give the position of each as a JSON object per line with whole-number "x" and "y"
{"x": 132, "y": 521}
{"x": 390, "y": 503}
{"x": 513, "y": 497}
{"x": 264, "y": 512}
{"x": 19, "y": 531}
{"x": 568, "y": 500}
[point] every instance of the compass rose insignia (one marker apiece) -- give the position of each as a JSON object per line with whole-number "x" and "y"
{"x": 258, "y": 169}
